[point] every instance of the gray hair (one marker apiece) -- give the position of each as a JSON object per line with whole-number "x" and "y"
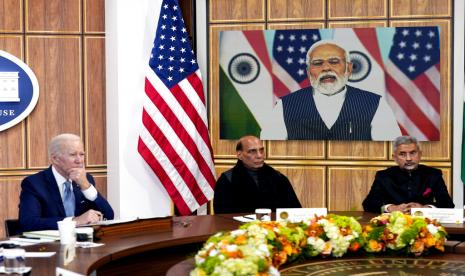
{"x": 55, "y": 146}
{"x": 405, "y": 140}
{"x": 326, "y": 42}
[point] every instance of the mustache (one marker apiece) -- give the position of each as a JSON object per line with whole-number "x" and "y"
{"x": 327, "y": 75}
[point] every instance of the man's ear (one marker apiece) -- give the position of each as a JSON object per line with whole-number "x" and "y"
{"x": 239, "y": 155}
{"x": 349, "y": 68}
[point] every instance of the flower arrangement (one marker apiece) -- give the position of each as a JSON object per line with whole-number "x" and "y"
{"x": 403, "y": 233}
{"x": 260, "y": 248}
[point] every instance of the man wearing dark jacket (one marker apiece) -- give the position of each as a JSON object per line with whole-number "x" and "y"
{"x": 408, "y": 185}
{"x": 252, "y": 184}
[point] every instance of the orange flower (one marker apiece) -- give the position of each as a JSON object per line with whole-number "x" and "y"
{"x": 241, "y": 239}
{"x": 354, "y": 246}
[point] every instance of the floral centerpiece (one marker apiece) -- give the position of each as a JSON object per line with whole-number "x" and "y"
{"x": 260, "y": 248}
{"x": 403, "y": 233}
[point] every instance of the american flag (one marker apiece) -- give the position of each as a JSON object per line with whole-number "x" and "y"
{"x": 413, "y": 81}
{"x": 174, "y": 139}
{"x": 289, "y": 59}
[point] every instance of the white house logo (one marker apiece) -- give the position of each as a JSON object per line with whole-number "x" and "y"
{"x": 19, "y": 90}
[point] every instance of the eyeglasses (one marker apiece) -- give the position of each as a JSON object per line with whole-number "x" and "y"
{"x": 331, "y": 61}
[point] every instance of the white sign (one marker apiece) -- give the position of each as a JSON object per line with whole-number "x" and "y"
{"x": 299, "y": 214}
{"x": 443, "y": 215}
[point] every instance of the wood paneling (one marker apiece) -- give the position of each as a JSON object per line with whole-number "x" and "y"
{"x": 309, "y": 184}
{"x": 10, "y": 188}
{"x": 94, "y": 92}
{"x": 101, "y": 183}
{"x": 94, "y": 16}
{"x": 421, "y": 8}
{"x": 440, "y": 150}
{"x": 237, "y": 10}
{"x": 13, "y": 140}
{"x": 357, "y": 9}
{"x": 357, "y": 150}
{"x": 56, "y": 62}
{"x": 53, "y": 16}
{"x": 11, "y": 16}
{"x": 348, "y": 187}
{"x": 221, "y": 148}
{"x": 290, "y": 10}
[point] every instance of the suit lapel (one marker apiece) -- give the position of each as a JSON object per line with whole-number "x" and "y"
{"x": 52, "y": 186}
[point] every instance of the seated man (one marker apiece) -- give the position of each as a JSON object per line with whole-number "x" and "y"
{"x": 62, "y": 190}
{"x": 408, "y": 185}
{"x": 251, "y": 183}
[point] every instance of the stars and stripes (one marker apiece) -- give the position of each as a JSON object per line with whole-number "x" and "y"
{"x": 289, "y": 59}
{"x": 174, "y": 140}
{"x": 413, "y": 81}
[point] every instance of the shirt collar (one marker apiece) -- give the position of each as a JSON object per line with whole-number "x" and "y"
{"x": 58, "y": 177}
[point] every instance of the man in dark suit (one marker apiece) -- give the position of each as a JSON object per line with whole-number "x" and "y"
{"x": 63, "y": 190}
{"x": 408, "y": 185}
{"x": 330, "y": 109}
{"x": 251, "y": 183}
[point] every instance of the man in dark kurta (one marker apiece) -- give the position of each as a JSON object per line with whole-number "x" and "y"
{"x": 408, "y": 185}
{"x": 252, "y": 184}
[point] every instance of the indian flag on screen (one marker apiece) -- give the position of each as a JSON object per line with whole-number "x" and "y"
{"x": 246, "y": 89}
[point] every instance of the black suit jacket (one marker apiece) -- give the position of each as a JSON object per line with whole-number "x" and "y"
{"x": 424, "y": 185}
{"x": 41, "y": 206}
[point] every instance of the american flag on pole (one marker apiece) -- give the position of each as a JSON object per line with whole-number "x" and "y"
{"x": 413, "y": 81}
{"x": 174, "y": 139}
{"x": 289, "y": 59}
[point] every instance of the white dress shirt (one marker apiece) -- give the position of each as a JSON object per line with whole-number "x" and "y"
{"x": 89, "y": 193}
{"x": 384, "y": 126}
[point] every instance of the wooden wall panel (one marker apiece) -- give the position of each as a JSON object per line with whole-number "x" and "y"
{"x": 13, "y": 140}
{"x": 348, "y": 187}
{"x": 440, "y": 150}
{"x": 296, "y": 10}
{"x": 94, "y": 16}
{"x": 53, "y": 16}
{"x": 94, "y": 93}
{"x": 10, "y": 187}
{"x": 359, "y": 9}
{"x": 221, "y": 148}
{"x": 11, "y": 16}
{"x": 308, "y": 182}
{"x": 420, "y": 8}
{"x": 56, "y": 62}
{"x": 101, "y": 183}
{"x": 238, "y": 10}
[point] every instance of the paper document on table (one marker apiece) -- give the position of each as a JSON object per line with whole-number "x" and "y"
{"x": 29, "y": 241}
{"x": 39, "y": 254}
{"x": 112, "y": 221}
{"x": 246, "y": 218}
{"x": 43, "y": 234}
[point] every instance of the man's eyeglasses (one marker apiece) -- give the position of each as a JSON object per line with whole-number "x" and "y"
{"x": 331, "y": 61}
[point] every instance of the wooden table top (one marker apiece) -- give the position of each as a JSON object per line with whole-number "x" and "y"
{"x": 185, "y": 230}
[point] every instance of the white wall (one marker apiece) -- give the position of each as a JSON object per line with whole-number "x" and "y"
{"x": 458, "y": 60}
{"x": 133, "y": 190}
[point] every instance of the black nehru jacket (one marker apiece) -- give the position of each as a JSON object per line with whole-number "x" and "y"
{"x": 240, "y": 190}
{"x": 396, "y": 186}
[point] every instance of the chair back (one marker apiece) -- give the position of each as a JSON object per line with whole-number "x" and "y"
{"x": 12, "y": 227}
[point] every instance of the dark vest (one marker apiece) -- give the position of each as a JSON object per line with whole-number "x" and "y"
{"x": 303, "y": 122}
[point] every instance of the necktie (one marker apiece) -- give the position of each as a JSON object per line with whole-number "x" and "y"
{"x": 68, "y": 199}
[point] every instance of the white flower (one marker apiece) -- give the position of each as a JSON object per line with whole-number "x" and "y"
{"x": 432, "y": 229}
{"x": 231, "y": 247}
{"x": 213, "y": 253}
{"x": 238, "y": 232}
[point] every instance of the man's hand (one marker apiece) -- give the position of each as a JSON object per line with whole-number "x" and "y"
{"x": 78, "y": 176}
{"x": 90, "y": 216}
{"x": 401, "y": 208}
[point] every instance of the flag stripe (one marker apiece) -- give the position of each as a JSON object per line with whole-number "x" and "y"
{"x": 258, "y": 43}
{"x": 174, "y": 192}
{"x": 366, "y": 36}
{"x": 404, "y": 121}
{"x": 415, "y": 96}
{"x": 410, "y": 109}
{"x": 173, "y": 156}
{"x": 187, "y": 150}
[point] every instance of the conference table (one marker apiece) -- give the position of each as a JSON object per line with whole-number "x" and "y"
{"x": 153, "y": 246}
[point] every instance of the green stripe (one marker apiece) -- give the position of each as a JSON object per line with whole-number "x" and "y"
{"x": 236, "y": 120}
{"x": 463, "y": 148}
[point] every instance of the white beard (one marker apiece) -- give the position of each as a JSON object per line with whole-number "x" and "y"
{"x": 329, "y": 88}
